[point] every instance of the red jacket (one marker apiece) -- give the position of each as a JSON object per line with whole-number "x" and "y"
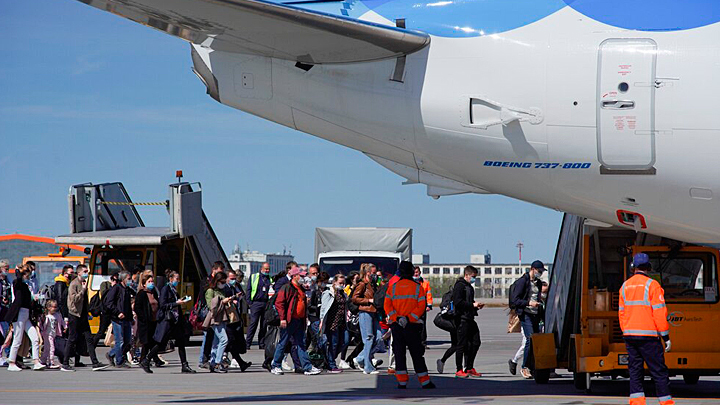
{"x": 287, "y": 300}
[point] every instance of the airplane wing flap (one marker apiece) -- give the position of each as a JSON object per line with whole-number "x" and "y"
{"x": 269, "y": 29}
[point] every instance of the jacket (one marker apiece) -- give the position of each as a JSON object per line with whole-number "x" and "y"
{"x": 77, "y": 299}
{"x": 287, "y": 301}
{"x": 259, "y": 286}
{"x": 522, "y": 291}
{"x": 327, "y": 301}
{"x": 463, "y": 298}
{"x": 405, "y": 298}
{"x": 61, "y": 292}
{"x": 217, "y": 313}
{"x": 428, "y": 291}
{"x": 642, "y": 309}
{"x": 60, "y": 325}
{"x": 362, "y": 295}
{"x": 117, "y": 301}
{"x": 143, "y": 310}
{"x": 23, "y": 299}
{"x": 314, "y": 303}
{"x": 170, "y": 317}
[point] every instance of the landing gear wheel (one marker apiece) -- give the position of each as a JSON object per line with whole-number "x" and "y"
{"x": 541, "y": 376}
{"x": 691, "y": 379}
{"x": 580, "y": 381}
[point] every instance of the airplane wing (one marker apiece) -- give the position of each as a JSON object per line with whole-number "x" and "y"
{"x": 268, "y": 29}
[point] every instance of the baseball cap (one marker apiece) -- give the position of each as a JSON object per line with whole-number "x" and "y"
{"x": 640, "y": 259}
{"x": 297, "y": 270}
{"x": 537, "y": 264}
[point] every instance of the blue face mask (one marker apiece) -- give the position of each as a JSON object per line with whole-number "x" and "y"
{"x": 174, "y": 283}
{"x": 26, "y": 281}
{"x": 150, "y": 286}
{"x": 472, "y": 280}
{"x": 231, "y": 282}
{"x": 84, "y": 275}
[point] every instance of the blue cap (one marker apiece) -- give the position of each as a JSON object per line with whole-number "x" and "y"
{"x": 537, "y": 264}
{"x": 640, "y": 259}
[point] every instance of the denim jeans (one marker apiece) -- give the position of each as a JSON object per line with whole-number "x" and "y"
{"x": 530, "y": 324}
{"x": 219, "y": 343}
{"x": 369, "y": 329}
{"x": 296, "y": 330}
{"x": 320, "y": 339}
{"x": 5, "y": 326}
{"x": 335, "y": 342}
{"x": 122, "y": 331}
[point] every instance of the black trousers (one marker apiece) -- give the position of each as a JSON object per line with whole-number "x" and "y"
{"x": 207, "y": 344}
{"x": 453, "y": 346}
{"x": 652, "y": 352}
{"x": 468, "y": 344}
{"x": 176, "y": 332}
{"x": 105, "y": 323}
{"x": 257, "y": 321}
{"x": 408, "y": 338}
{"x": 79, "y": 328}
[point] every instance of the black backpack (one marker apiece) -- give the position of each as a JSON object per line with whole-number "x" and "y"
{"x": 351, "y": 306}
{"x": 511, "y": 293}
{"x": 96, "y": 305}
{"x": 272, "y": 317}
{"x": 447, "y": 308}
{"x": 379, "y": 300}
{"x": 48, "y": 293}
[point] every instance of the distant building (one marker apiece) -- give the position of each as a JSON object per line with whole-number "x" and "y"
{"x": 481, "y": 258}
{"x": 420, "y": 258}
{"x": 250, "y": 262}
{"x": 493, "y": 281}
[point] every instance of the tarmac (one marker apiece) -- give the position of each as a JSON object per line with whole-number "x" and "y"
{"x": 256, "y": 386}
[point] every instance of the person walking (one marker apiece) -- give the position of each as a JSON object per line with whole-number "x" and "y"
{"x": 217, "y": 320}
{"x": 259, "y": 285}
{"x": 291, "y": 305}
{"x": 333, "y": 318}
{"x": 105, "y": 318}
{"x": 19, "y": 315}
{"x": 60, "y": 289}
{"x": 236, "y": 337}
{"x": 118, "y": 303}
{"x": 79, "y": 323}
{"x": 171, "y": 323}
{"x": 369, "y": 326}
{"x": 643, "y": 320}
{"x": 525, "y": 298}
{"x": 146, "y": 308}
{"x": 5, "y": 299}
{"x": 405, "y": 304}
{"x": 468, "y": 333}
{"x": 52, "y": 325}
{"x": 208, "y": 334}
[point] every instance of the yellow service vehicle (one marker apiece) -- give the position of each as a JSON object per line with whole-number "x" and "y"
{"x": 582, "y": 331}
{"x": 50, "y": 266}
{"x": 104, "y": 217}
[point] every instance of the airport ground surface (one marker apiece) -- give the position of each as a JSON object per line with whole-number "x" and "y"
{"x": 257, "y": 386}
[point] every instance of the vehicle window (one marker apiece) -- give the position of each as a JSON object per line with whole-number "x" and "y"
{"x": 686, "y": 277}
{"x": 45, "y": 272}
{"x": 110, "y": 262}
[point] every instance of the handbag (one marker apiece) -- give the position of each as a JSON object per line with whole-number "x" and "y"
{"x": 109, "y": 340}
{"x": 353, "y": 324}
{"x": 443, "y": 322}
{"x": 232, "y": 313}
{"x": 513, "y": 323}
{"x": 198, "y": 314}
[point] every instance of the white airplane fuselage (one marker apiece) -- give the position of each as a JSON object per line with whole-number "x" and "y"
{"x": 569, "y": 113}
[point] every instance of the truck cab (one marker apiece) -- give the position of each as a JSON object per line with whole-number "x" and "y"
{"x": 343, "y": 262}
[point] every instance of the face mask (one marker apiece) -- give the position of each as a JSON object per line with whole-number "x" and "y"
{"x": 84, "y": 275}
{"x": 220, "y": 285}
{"x": 150, "y": 286}
{"x": 231, "y": 282}
{"x": 340, "y": 286}
{"x": 416, "y": 278}
{"x": 472, "y": 280}
{"x": 313, "y": 278}
{"x": 174, "y": 283}
{"x": 26, "y": 281}
{"x": 265, "y": 273}
{"x": 32, "y": 273}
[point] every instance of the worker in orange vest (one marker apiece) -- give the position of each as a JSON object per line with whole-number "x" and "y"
{"x": 643, "y": 320}
{"x": 428, "y": 301}
{"x": 405, "y": 306}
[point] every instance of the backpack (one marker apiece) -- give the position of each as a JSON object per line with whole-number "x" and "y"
{"x": 447, "y": 308}
{"x": 511, "y": 293}
{"x": 379, "y": 300}
{"x": 96, "y": 305}
{"x": 272, "y": 317}
{"x": 47, "y": 293}
{"x": 199, "y": 312}
{"x": 351, "y": 306}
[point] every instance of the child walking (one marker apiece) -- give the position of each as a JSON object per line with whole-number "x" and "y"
{"x": 52, "y": 325}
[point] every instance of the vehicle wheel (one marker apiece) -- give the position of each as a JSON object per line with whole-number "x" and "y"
{"x": 541, "y": 376}
{"x": 580, "y": 381}
{"x": 691, "y": 379}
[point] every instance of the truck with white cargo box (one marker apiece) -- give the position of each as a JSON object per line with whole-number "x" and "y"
{"x": 342, "y": 250}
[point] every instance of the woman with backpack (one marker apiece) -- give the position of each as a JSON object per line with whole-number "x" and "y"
{"x": 171, "y": 323}
{"x": 363, "y": 297}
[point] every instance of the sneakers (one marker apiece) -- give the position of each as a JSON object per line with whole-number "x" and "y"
{"x": 377, "y": 362}
{"x": 335, "y": 371}
{"x": 67, "y": 368}
{"x": 440, "y": 366}
{"x": 234, "y": 364}
{"x": 371, "y": 372}
{"x": 38, "y": 366}
{"x": 429, "y": 386}
{"x": 461, "y": 374}
{"x": 473, "y": 373}
{"x": 79, "y": 364}
{"x": 124, "y": 364}
{"x": 344, "y": 365}
{"x": 357, "y": 364}
{"x": 204, "y": 365}
{"x": 525, "y": 372}
{"x": 13, "y": 367}
{"x": 110, "y": 359}
{"x": 277, "y": 371}
{"x": 98, "y": 366}
{"x": 245, "y": 366}
{"x": 512, "y": 366}
{"x": 313, "y": 371}
{"x": 54, "y": 367}
{"x": 161, "y": 362}
{"x": 286, "y": 366}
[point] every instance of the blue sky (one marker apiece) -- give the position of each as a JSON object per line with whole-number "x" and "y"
{"x": 88, "y": 96}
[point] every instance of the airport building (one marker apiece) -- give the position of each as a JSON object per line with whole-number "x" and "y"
{"x": 250, "y": 262}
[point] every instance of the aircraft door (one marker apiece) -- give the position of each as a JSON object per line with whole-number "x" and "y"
{"x": 626, "y": 105}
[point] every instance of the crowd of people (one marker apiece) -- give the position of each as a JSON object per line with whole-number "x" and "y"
{"x": 303, "y": 317}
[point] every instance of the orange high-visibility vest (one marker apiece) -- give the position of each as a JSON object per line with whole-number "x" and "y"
{"x": 642, "y": 310}
{"x": 428, "y": 292}
{"x": 405, "y": 298}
